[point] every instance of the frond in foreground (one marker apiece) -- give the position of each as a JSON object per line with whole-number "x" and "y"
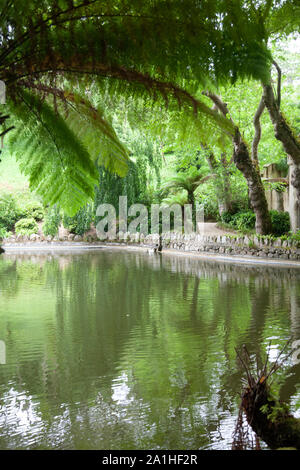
{"x": 59, "y": 167}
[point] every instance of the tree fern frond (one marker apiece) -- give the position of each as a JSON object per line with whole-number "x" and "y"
{"x": 88, "y": 123}
{"x": 57, "y": 164}
{"x": 96, "y": 133}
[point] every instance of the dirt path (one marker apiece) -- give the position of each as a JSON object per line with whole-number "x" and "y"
{"x": 210, "y": 228}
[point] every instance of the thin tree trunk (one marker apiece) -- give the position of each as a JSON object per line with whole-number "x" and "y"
{"x": 223, "y": 181}
{"x": 257, "y": 135}
{"x": 244, "y": 163}
{"x": 227, "y": 204}
{"x": 191, "y": 201}
{"x": 290, "y": 143}
{"x": 283, "y": 132}
{"x": 257, "y": 194}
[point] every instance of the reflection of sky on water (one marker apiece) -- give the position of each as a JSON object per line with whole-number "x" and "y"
{"x": 121, "y": 390}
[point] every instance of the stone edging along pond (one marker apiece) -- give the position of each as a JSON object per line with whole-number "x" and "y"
{"x": 262, "y": 247}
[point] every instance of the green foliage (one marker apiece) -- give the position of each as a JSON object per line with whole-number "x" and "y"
{"x": 210, "y": 206}
{"x": 143, "y": 173}
{"x": 189, "y": 180}
{"x": 58, "y": 166}
{"x": 275, "y": 408}
{"x": 4, "y": 233}
{"x": 48, "y": 48}
{"x": 88, "y": 123}
{"x": 244, "y": 220}
{"x": 226, "y": 217}
{"x": 26, "y": 226}
{"x": 9, "y": 211}
{"x": 280, "y": 222}
{"x": 80, "y": 222}
{"x": 35, "y": 210}
{"x": 52, "y": 221}
{"x": 60, "y": 136}
{"x": 282, "y": 167}
{"x": 295, "y": 236}
{"x": 279, "y": 187}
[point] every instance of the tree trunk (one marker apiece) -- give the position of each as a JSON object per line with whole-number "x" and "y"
{"x": 191, "y": 201}
{"x": 294, "y": 199}
{"x": 257, "y": 194}
{"x": 291, "y": 145}
{"x": 242, "y": 160}
{"x": 227, "y": 195}
{"x": 281, "y": 431}
{"x": 223, "y": 188}
{"x": 269, "y": 418}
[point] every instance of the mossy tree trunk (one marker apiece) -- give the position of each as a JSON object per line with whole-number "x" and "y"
{"x": 223, "y": 186}
{"x": 256, "y": 191}
{"x": 269, "y": 419}
{"x": 250, "y": 170}
{"x": 291, "y": 145}
{"x": 268, "y": 416}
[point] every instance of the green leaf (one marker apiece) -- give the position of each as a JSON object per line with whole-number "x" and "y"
{"x": 59, "y": 167}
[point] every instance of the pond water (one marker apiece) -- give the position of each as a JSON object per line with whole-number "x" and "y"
{"x": 107, "y": 349}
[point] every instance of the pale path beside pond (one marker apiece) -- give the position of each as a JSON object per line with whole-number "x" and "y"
{"x": 211, "y": 228}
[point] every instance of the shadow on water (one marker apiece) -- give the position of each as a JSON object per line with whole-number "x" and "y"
{"x": 116, "y": 350}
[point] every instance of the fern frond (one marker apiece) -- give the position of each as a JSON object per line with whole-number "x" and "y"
{"x": 57, "y": 164}
{"x": 96, "y": 133}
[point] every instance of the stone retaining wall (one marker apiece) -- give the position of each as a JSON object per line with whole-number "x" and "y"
{"x": 249, "y": 246}
{"x": 262, "y": 247}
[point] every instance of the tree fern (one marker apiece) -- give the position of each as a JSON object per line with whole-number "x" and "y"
{"x": 165, "y": 48}
{"x": 58, "y": 165}
{"x": 96, "y": 133}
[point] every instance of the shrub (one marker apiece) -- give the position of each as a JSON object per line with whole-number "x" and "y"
{"x": 293, "y": 236}
{"x": 245, "y": 220}
{"x": 35, "y": 210}
{"x": 3, "y": 232}
{"x": 210, "y": 206}
{"x": 26, "y": 227}
{"x": 81, "y": 222}
{"x": 52, "y": 221}
{"x": 280, "y": 222}
{"x": 226, "y": 217}
{"x": 9, "y": 211}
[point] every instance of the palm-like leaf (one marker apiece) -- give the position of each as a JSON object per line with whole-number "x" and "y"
{"x": 58, "y": 151}
{"x": 189, "y": 181}
{"x": 178, "y": 198}
{"x": 96, "y": 133}
{"x": 58, "y": 165}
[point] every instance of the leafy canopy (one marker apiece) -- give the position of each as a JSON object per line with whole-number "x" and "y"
{"x": 167, "y": 49}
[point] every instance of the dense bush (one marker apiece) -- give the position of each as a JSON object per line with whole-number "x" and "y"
{"x": 81, "y": 222}
{"x": 295, "y": 236}
{"x": 3, "y": 232}
{"x": 9, "y": 211}
{"x": 280, "y": 222}
{"x": 52, "y": 221}
{"x": 210, "y": 206}
{"x": 244, "y": 220}
{"x": 35, "y": 210}
{"x": 226, "y": 217}
{"x": 26, "y": 227}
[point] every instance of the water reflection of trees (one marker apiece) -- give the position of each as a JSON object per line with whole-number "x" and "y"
{"x": 141, "y": 349}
